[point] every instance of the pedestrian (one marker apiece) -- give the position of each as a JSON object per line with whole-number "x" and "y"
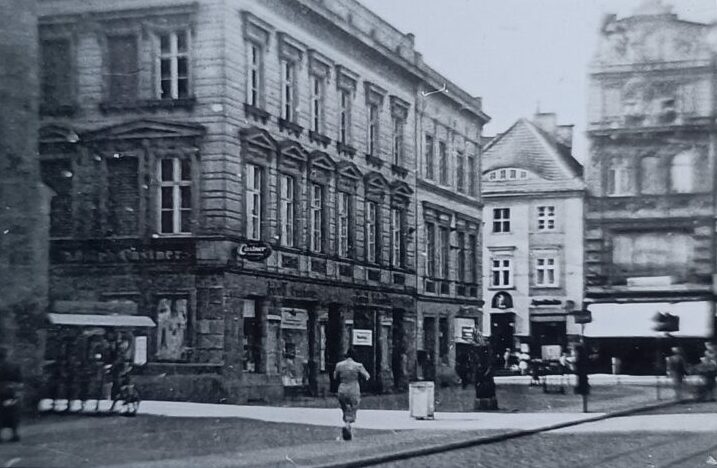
{"x": 708, "y": 371}
{"x": 347, "y": 373}
{"x": 10, "y": 382}
{"x": 506, "y": 359}
{"x": 677, "y": 369}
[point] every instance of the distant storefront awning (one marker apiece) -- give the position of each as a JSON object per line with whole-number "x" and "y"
{"x": 614, "y": 320}
{"x": 96, "y": 320}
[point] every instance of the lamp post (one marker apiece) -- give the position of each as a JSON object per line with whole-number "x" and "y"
{"x": 582, "y": 387}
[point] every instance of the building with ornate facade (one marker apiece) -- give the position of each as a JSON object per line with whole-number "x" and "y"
{"x": 533, "y": 195}
{"x": 244, "y": 174}
{"x": 650, "y": 232}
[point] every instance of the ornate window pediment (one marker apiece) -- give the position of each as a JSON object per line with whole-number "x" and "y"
{"x": 374, "y": 93}
{"x": 147, "y": 128}
{"x": 292, "y": 155}
{"x": 319, "y": 65}
{"x": 257, "y": 138}
{"x": 322, "y": 166}
{"x": 376, "y": 186}
{"x": 345, "y": 78}
{"x": 400, "y": 193}
{"x": 256, "y": 29}
{"x": 290, "y": 49}
{"x": 399, "y": 107}
{"x": 349, "y": 176}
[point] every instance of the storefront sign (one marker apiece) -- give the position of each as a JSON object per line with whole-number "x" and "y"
{"x": 122, "y": 251}
{"x": 387, "y": 321}
{"x": 140, "y": 350}
{"x": 362, "y": 337}
{"x": 545, "y": 302}
{"x": 551, "y": 352}
{"x": 464, "y": 329}
{"x": 294, "y": 319}
{"x": 254, "y": 251}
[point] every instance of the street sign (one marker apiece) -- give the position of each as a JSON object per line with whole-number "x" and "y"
{"x": 583, "y": 316}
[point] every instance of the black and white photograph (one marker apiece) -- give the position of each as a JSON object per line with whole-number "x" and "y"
{"x": 353, "y": 233}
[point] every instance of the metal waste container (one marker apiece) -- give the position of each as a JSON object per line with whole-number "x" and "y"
{"x": 421, "y": 400}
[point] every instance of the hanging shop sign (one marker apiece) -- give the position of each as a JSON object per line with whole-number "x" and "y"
{"x": 362, "y": 338}
{"x": 294, "y": 319}
{"x": 140, "y": 350}
{"x": 253, "y": 251}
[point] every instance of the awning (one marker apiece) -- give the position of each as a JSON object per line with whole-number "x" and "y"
{"x": 96, "y": 320}
{"x": 614, "y": 320}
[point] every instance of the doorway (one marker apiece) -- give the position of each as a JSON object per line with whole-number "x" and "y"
{"x": 334, "y": 340}
{"x": 502, "y": 331}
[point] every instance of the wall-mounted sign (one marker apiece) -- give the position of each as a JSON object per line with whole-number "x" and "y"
{"x": 140, "y": 350}
{"x": 294, "y": 319}
{"x": 362, "y": 338}
{"x": 100, "y": 252}
{"x": 502, "y": 300}
{"x": 545, "y": 302}
{"x": 464, "y": 328}
{"x": 254, "y": 251}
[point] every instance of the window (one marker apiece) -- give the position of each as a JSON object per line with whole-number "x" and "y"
{"x": 175, "y": 196}
{"x": 288, "y": 78}
{"x": 317, "y": 104}
{"x": 473, "y": 256}
{"x": 546, "y": 272}
{"x": 618, "y": 178}
{"x": 442, "y": 163}
{"x": 57, "y": 174}
{"x": 442, "y": 251}
{"x": 546, "y": 218}
{"x": 501, "y": 219}
{"x": 682, "y": 173}
{"x": 429, "y": 157}
{"x": 56, "y": 73}
{"x": 345, "y": 117}
{"x": 501, "y": 272}
{"x": 372, "y": 232}
{"x": 397, "y": 247}
{"x": 344, "y": 223}
{"x": 398, "y": 124}
{"x": 461, "y": 238}
{"x": 123, "y": 69}
{"x": 255, "y": 74}
{"x": 172, "y": 328}
{"x": 254, "y": 185}
{"x": 123, "y": 197}
{"x": 373, "y": 129}
{"x": 430, "y": 250}
{"x": 287, "y": 211}
{"x": 317, "y": 218}
{"x": 651, "y": 180}
{"x": 460, "y": 171}
{"x": 173, "y": 64}
{"x": 472, "y": 190}
{"x": 251, "y": 336}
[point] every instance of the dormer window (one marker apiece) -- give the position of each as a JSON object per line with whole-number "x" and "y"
{"x": 507, "y": 174}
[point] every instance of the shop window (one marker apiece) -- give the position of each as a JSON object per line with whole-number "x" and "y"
{"x": 443, "y": 340}
{"x": 322, "y": 347}
{"x": 294, "y": 346}
{"x": 386, "y": 347}
{"x": 251, "y": 336}
{"x": 172, "y": 316}
{"x": 173, "y": 65}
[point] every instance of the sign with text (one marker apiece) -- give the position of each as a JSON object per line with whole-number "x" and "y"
{"x": 362, "y": 338}
{"x": 253, "y": 251}
{"x": 294, "y": 319}
{"x": 103, "y": 252}
{"x": 140, "y": 350}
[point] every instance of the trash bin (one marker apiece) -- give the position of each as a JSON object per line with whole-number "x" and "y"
{"x": 421, "y": 400}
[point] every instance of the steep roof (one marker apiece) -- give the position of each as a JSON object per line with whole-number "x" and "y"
{"x": 526, "y": 146}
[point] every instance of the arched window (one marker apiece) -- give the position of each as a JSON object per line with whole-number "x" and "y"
{"x": 618, "y": 178}
{"x": 682, "y": 172}
{"x": 651, "y": 180}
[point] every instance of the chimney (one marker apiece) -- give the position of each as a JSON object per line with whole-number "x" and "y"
{"x": 564, "y": 134}
{"x": 547, "y": 121}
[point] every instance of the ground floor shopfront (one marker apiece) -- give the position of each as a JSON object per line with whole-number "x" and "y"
{"x": 622, "y": 338}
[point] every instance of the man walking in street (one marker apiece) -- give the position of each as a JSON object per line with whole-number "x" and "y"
{"x": 677, "y": 369}
{"x": 10, "y": 381}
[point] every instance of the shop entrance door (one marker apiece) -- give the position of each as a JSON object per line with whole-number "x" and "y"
{"x": 334, "y": 340}
{"x": 364, "y": 341}
{"x": 429, "y": 346}
{"x": 502, "y": 331}
{"x": 399, "y": 358}
{"x": 549, "y": 334}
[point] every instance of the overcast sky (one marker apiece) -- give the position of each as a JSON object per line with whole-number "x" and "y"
{"x": 518, "y": 54}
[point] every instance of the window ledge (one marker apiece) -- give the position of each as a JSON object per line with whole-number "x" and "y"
{"x": 501, "y": 288}
{"x": 58, "y": 110}
{"x": 399, "y": 170}
{"x": 374, "y": 160}
{"x": 256, "y": 113}
{"x": 348, "y": 150}
{"x": 148, "y": 104}
{"x": 319, "y": 138}
{"x": 290, "y": 127}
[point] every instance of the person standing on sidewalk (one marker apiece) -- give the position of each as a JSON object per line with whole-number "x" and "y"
{"x": 348, "y": 372}
{"x": 10, "y": 381}
{"x": 677, "y": 369}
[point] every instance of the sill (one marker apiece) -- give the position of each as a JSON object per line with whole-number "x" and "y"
{"x": 148, "y": 104}
{"x": 552, "y": 286}
{"x": 399, "y": 170}
{"x": 374, "y": 161}
{"x": 256, "y": 113}
{"x": 501, "y": 288}
{"x": 319, "y": 138}
{"x": 58, "y": 110}
{"x": 348, "y": 150}
{"x": 290, "y": 127}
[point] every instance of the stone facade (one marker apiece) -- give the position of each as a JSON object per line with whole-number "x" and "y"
{"x": 281, "y": 127}
{"x": 533, "y": 197}
{"x": 649, "y": 235}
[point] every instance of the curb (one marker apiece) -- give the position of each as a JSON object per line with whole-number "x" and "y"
{"x": 461, "y": 444}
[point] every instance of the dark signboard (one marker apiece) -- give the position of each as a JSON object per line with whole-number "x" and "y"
{"x": 502, "y": 300}
{"x": 253, "y": 251}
